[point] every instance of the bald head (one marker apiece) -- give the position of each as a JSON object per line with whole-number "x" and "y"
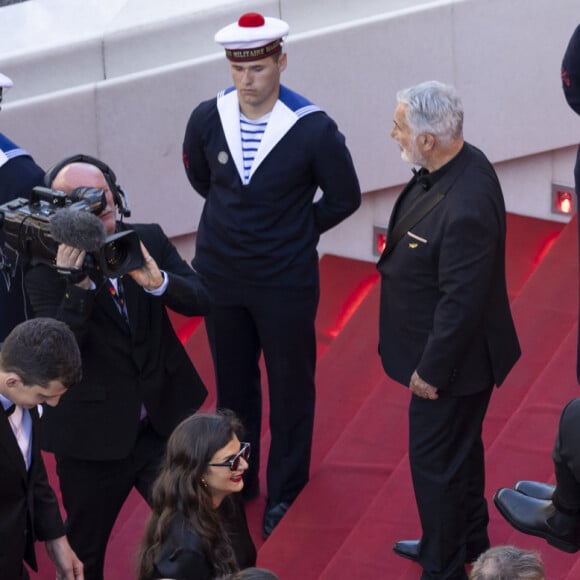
{"x": 86, "y": 175}
{"x": 78, "y": 175}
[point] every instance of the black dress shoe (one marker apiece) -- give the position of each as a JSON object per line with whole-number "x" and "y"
{"x": 272, "y": 516}
{"x": 535, "y": 489}
{"x": 410, "y": 549}
{"x": 540, "y": 518}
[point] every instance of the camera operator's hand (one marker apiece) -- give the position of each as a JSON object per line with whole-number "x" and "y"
{"x": 71, "y": 258}
{"x": 148, "y": 276}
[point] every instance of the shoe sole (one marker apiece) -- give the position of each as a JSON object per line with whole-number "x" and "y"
{"x": 405, "y": 555}
{"x": 553, "y": 541}
{"x": 468, "y": 560}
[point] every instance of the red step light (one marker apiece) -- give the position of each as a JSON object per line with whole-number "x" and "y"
{"x": 563, "y": 200}
{"x": 379, "y": 240}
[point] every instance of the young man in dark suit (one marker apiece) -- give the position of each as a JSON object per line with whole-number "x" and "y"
{"x": 109, "y": 435}
{"x": 446, "y": 330}
{"x": 39, "y": 361}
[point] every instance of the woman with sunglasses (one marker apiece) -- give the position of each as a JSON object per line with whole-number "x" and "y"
{"x": 198, "y": 528}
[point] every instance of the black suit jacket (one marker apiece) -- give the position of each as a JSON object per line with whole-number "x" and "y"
{"x": 28, "y": 506}
{"x": 124, "y": 365}
{"x": 444, "y": 305}
{"x": 181, "y": 555}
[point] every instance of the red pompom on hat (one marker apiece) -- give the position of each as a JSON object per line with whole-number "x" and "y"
{"x": 251, "y": 19}
{"x": 252, "y": 37}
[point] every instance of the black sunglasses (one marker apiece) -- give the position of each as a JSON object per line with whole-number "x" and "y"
{"x": 234, "y": 462}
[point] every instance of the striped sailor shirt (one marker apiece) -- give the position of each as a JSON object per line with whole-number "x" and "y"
{"x": 251, "y": 132}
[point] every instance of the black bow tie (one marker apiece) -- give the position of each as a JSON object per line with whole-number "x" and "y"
{"x": 423, "y": 177}
{"x": 10, "y": 410}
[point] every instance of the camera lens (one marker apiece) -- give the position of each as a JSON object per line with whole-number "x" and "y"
{"x": 115, "y": 255}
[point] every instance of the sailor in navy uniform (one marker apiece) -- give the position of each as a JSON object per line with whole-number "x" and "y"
{"x": 258, "y": 153}
{"x": 18, "y": 175}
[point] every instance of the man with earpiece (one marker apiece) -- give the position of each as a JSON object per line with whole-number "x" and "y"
{"x": 109, "y": 435}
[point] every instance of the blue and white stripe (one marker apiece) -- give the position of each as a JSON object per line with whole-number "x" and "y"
{"x": 9, "y": 150}
{"x": 288, "y": 110}
{"x": 251, "y": 133}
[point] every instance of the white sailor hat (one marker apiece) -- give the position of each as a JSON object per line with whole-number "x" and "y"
{"x": 252, "y": 37}
{"x": 5, "y": 82}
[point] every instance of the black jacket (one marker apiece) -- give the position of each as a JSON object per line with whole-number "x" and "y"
{"x": 444, "y": 305}
{"x": 571, "y": 72}
{"x": 181, "y": 556}
{"x": 28, "y": 506}
{"x": 123, "y": 365}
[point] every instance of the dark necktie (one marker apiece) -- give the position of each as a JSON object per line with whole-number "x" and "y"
{"x": 119, "y": 297}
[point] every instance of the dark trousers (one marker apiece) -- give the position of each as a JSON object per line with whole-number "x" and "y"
{"x": 447, "y": 466}
{"x": 566, "y": 456}
{"x": 24, "y": 575}
{"x": 577, "y": 187}
{"x": 278, "y": 322}
{"x": 93, "y": 493}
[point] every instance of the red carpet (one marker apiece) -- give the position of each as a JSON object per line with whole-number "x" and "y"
{"x": 359, "y": 500}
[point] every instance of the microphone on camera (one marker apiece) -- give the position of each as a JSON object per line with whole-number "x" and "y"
{"x": 79, "y": 229}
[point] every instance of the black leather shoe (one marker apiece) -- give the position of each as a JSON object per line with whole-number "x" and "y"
{"x": 410, "y": 549}
{"x": 272, "y": 516}
{"x": 535, "y": 489}
{"x": 540, "y": 518}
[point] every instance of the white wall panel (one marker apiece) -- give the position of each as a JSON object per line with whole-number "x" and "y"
{"x": 119, "y": 78}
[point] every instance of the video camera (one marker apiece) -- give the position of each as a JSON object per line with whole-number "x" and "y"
{"x": 34, "y": 228}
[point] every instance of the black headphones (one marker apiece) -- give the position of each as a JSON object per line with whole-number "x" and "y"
{"x": 119, "y": 196}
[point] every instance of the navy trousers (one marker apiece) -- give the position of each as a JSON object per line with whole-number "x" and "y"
{"x": 245, "y": 322}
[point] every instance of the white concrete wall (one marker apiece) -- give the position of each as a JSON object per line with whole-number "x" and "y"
{"x": 118, "y": 79}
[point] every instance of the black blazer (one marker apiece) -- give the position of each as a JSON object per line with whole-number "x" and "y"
{"x": 181, "y": 556}
{"x": 444, "y": 305}
{"x": 124, "y": 365}
{"x": 28, "y": 506}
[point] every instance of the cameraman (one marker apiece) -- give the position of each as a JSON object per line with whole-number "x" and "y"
{"x": 18, "y": 175}
{"x": 109, "y": 434}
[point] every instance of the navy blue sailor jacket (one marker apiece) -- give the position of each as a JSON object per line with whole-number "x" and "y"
{"x": 266, "y": 232}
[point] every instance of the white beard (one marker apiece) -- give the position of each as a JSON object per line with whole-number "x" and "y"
{"x": 412, "y": 155}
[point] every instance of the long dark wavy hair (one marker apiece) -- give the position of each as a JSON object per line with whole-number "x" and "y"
{"x": 179, "y": 489}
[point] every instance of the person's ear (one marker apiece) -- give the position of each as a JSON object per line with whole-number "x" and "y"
{"x": 282, "y": 61}
{"x": 427, "y": 141}
{"x": 12, "y": 380}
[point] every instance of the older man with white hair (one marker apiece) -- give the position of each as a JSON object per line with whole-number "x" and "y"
{"x": 446, "y": 330}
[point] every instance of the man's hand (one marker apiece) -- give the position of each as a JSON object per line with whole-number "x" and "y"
{"x": 66, "y": 562}
{"x": 422, "y": 389}
{"x": 148, "y": 276}
{"x": 71, "y": 258}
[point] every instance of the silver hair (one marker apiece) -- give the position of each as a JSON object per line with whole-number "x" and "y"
{"x": 508, "y": 563}
{"x": 435, "y": 108}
